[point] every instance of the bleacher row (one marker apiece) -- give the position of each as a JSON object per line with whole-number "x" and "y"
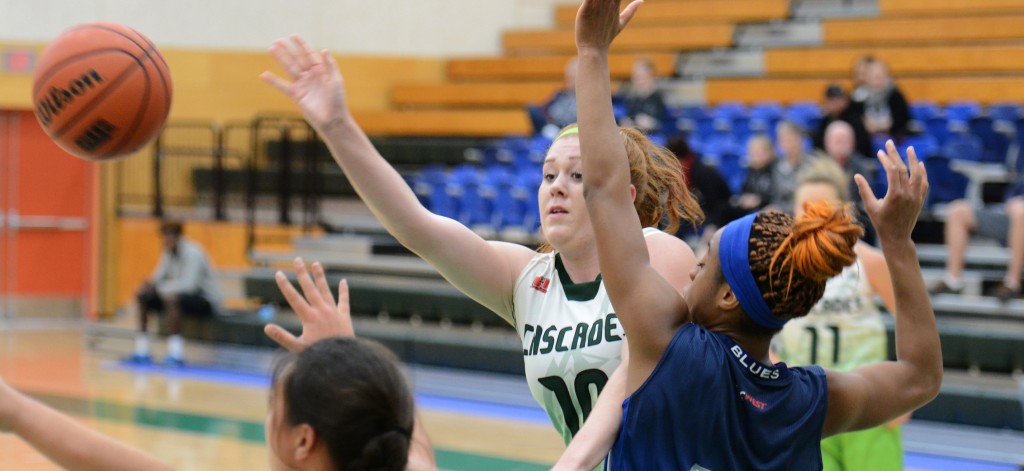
{"x": 498, "y": 191}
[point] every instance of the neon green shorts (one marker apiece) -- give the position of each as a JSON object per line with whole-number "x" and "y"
{"x": 877, "y": 449}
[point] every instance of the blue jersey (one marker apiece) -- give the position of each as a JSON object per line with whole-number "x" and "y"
{"x": 709, "y": 406}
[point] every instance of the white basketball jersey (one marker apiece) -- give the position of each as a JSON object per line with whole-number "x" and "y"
{"x": 843, "y": 330}
{"x": 572, "y": 339}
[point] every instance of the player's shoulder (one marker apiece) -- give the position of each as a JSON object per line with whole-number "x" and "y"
{"x": 665, "y": 244}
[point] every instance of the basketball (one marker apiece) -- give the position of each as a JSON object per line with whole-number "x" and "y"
{"x": 101, "y": 91}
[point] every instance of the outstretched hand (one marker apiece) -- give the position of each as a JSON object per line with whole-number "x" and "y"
{"x": 598, "y": 22}
{"x": 321, "y": 317}
{"x": 895, "y": 215}
{"x": 314, "y": 82}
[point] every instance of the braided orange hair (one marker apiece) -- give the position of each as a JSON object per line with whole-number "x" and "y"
{"x": 792, "y": 259}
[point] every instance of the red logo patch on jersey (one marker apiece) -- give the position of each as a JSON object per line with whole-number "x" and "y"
{"x": 754, "y": 402}
{"x": 541, "y": 284}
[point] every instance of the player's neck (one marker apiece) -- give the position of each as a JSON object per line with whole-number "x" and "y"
{"x": 581, "y": 266}
{"x": 755, "y": 345}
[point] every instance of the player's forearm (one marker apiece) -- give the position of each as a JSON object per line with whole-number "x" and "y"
{"x": 598, "y": 434}
{"x": 72, "y": 445}
{"x": 917, "y": 337}
{"x": 604, "y": 158}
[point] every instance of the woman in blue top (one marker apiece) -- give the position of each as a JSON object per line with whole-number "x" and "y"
{"x": 702, "y": 391}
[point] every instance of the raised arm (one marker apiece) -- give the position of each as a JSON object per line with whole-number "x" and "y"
{"x": 66, "y": 441}
{"x": 673, "y": 260}
{"x": 648, "y": 306}
{"x": 483, "y": 270}
{"x": 322, "y": 318}
{"x": 874, "y": 394}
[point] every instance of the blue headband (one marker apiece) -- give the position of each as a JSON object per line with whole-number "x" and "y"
{"x": 734, "y": 256}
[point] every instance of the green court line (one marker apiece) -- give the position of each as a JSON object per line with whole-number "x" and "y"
{"x": 246, "y": 431}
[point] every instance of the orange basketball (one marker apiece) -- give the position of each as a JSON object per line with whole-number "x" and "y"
{"x": 102, "y": 91}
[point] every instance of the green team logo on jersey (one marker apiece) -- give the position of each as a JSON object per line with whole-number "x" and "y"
{"x": 546, "y": 339}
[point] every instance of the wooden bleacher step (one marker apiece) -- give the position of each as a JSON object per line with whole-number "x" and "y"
{"x": 963, "y": 28}
{"x": 693, "y": 11}
{"x": 740, "y": 62}
{"x": 834, "y": 62}
{"x": 462, "y": 123}
{"x": 549, "y": 68}
{"x": 835, "y": 8}
{"x": 806, "y": 32}
{"x": 921, "y": 8}
{"x": 640, "y": 39}
{"x": 512, "y": 95}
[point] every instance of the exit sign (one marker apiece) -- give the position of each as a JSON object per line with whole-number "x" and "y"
{"x": 17, "y": 61}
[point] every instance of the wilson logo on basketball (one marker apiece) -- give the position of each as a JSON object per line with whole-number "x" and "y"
{"x": 51, "y": 104}
{"x": 541, "y": 284}
{"x": 95, "y": 135}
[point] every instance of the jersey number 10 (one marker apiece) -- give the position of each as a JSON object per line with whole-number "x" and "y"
{"x": 583, "y": 381}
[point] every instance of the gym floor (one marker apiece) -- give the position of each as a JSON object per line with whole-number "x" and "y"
{"x": 205, "y": 418}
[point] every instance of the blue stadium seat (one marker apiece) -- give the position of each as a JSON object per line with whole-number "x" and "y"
{"x": 498, "y": 175}
{"x": 531, "y": 213}
{"x": 923, "y": 110}
{"x": 686, "y": 117}
{"x": 805, "y": 113}
{"x": 466, "y": 174}
{"x": 508, "y": 207}
{"x": 764, "y": 116}
{"x": 964, "y": 147}
{"x": 717, "y": 146}
{"x": 705, "y": 126}
{"x": 731, "y": 168}
{"x": 429, "y": 186}
{"x": 741, "y": 128}
{"x": 996, "y": 144}
{"x": 926, "y": 146}
{"x": 959, "y": 113}
{"x": 944, "y": 185}
{"x": 1004, "y": 111}
{"x": 937, "y": 127}
{"x": 728, "y": 110}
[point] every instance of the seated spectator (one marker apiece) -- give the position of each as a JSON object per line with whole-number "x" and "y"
{"x": 839, "y": 147}
{"x": 645, "y": 106}
{"x": 560, "y": 109}
{"x": 759, "y": 181}
{"x": 1002, "y": 221}
{"x": 858, "y": 77}
{"x": 885, "y": 109}
{"x": 837, "y": 107}
{"x": 790, "y": 139}
{"x": 182, "y": 284}
{"x": 705, "y": 183}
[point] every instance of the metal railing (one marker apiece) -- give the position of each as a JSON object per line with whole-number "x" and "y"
{"x": 230, "y": 172}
